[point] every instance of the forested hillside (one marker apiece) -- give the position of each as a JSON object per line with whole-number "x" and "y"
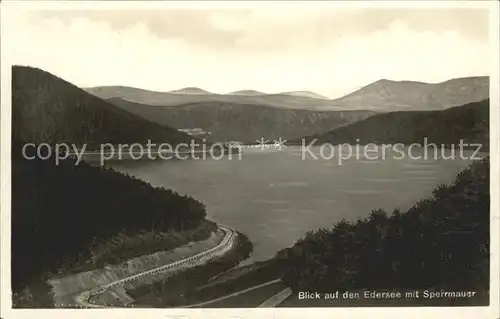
{"x": 469, "y": 122}
{"x": 227, "y": 121}
{"x": 47, "y": 109}
{"x": 441, "y": 242}
{"x": 62, "y": 213}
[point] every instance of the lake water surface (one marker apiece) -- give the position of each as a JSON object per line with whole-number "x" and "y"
{"x": 275, "y": 197}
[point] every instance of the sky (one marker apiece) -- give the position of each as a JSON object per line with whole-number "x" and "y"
{"x": 325, "y": 49}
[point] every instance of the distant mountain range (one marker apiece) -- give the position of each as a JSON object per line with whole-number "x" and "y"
{"x": 247, "y": 92}
{"x": 47, "y": 109}
{"x": 306, "y": 94}
{"x": 380, "y": 96}
{"x": 469, "y": 123}
{"x": 409, "y": 95}
{"x": 250, "y": 97}
{"x": 226, "y": 121}
{"x": 191, "y": 91}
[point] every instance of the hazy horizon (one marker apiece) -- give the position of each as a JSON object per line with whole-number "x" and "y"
{"x": 271, "y": 49}
{"x": 289, "y": 91}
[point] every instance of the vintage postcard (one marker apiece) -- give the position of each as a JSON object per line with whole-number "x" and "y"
{"x": 249, "y": 159}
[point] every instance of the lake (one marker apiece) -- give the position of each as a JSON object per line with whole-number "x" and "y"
{"x": 275, "y": 197}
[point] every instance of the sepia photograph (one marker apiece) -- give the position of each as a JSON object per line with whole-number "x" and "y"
{"x": 281, "y": 155}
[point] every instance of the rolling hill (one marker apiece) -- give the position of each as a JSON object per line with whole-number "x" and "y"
{"x": 191, "y": 91}
{"x": 48, "y": 109}
{"x": 306, "y": 94}
{"x": 410, "y": 95}
{"x": 243, "y": 122}
{"x": 247, "y": 92}
{"x": 239, "y": 97}
{"x": 469, "y": 122}
{"x": 380, "y": 96}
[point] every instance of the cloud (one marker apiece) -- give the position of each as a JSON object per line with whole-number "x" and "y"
{"x": 221, "y": 28}
{"x": 329, "y": 51}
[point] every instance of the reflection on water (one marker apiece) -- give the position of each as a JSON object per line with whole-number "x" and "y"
{"x": 274, "y": 197}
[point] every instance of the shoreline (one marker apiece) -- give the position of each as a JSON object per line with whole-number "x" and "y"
{"x": 438, "y": 146}
{"x": 96, "y": 156}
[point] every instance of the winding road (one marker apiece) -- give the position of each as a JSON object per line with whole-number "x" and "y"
{"x": 223, "y": 247}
